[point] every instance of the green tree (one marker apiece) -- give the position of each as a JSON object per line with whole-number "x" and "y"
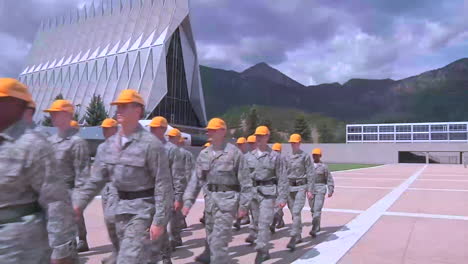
{"x": 251, "y": 121}
{"x": 326, "y": 133}
{"x": 95, "y": 112}
{"x": 302, "y": 128}
{"x": 47, "y": 121}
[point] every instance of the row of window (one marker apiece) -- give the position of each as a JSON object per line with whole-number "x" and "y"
{"x": 405, "y": 137}
{"x": 407, "y": 128}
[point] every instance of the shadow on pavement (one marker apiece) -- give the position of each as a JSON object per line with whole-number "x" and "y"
{"x": 326, "y": 234}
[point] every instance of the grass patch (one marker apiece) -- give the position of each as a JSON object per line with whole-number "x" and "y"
{"x": 338, "y": 167}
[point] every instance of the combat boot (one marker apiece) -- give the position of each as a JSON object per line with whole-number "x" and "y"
{"x": 250, "y": 239}
{"x": 112, "y": 259}
{"x": 273, "y": 224}
{"x": 82, "y": 246}
{"x": 237, "y": 224}
{"x": 204, "y": 257}
{"x": 292, "y": 243}
{"x": 280, "y": 222}
{"x": 262, "y": 256}
{"x": 245, "y": 220}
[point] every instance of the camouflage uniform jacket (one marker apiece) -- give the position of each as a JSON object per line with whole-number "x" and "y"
{"x": 299, "y": 166}
{"x": 189, "y": 162}
{"x": 27, "y": 175}
{"x": 323, "y": 179}
{"x": 224, "y": 167}
{"x": 265, "y": 166}
{"x": 72, "y": 155}
{"x": 177, "y": 169}
{"x": 139, "y": 165}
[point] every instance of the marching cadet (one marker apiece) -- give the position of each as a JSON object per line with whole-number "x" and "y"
{"x": 278, "y": 221}
{"x": 189, "y": 167}
{"x": 270, "y": 190}
{"x": 137, "y": 164}
{"x": 323, "y": 181}
{"x": 177, "y": 219}
{"x": 72, "y": 155}
{"x": 35, "y": 207}
{"x": 202, "y": 219}
{"x": 251, "y": 146}
{"x": 228, "y": 188}
{"x": 109, "y": 195}
{"x": 242, "y": 144}
{"x": 300, "y": 174}
{"x": 158, "y": 128}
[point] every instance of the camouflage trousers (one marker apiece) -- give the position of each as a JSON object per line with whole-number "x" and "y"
{"x": 220, "y": 210}
{"x": 316, "y": 205}
{"x": 82, "y": 233}
{"x": 135, "y": 245}
{"x": 262, "y": 209}
{"x": 109, "y": 198}
{"x": 26, "y": 242}
{"x": 296, "y": 202}
{"x": 173, "y": 233}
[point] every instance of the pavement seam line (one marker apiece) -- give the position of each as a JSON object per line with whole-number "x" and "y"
{"x": 431, "y": 216}
{"x": 331, "y": 251}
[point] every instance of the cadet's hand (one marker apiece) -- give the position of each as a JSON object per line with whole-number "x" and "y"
{"x": 330, "y": 195}
{"x": 78, "y": 213}
{"x": 241, "y": 214}
{"x": 177, "y": 206}
{"x": 185, "y": 211}
{"x": 281, "y": 205}
{"x": 310, "y": 195}
{"x": 156, "y": 232}
{"x": 67, "y": 260}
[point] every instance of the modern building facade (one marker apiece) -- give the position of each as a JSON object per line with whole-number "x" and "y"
{"x": 407, "y": 132}
{"x": 101, "y": 49}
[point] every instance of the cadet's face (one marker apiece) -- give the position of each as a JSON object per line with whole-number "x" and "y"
{"x": 158, "y": 131}
{"x": 252, "y": 146}
{"x": 109, "y": 131}
{"x": 242, "y": 147}
{"x": 12, "y": 111}
{"x": 61, "y": 120}
{"x": 216, "y": 134}
{"x": 316, "y": 158}
{"x": 128, "y": 113}
{"x": 262, "y": 139}
{"x": 174, "y": 140}
{"x": 295, "y": 146}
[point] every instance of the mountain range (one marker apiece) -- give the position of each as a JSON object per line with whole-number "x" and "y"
{"x": 436, "y": 95}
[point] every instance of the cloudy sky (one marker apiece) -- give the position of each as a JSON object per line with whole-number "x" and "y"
{"x": 312, "y": 41}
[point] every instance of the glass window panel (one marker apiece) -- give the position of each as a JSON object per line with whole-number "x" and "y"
{"x": 370, "y": 137}
{"x": 403, "y": 136}
{"x": 403, "y": 128}
{"x": 386, "y": 129}
{"x": 420, "y": 128}
{"x": 354, "y": 129}
{"x": 439, "y": 136}
{"x": 386, "y": 137}
{"x": 369, "y": 129}
{"x": 438, "y": 127}
{"x": 458, "y": 136}
{"x": 421, "y": 136}
{"x": 458, "y": 127}
{"x": 354, "y": 137}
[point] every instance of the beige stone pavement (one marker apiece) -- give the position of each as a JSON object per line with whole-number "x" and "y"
{"x": 428, "y": 223}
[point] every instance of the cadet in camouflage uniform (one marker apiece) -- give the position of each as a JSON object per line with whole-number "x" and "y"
{"x": 300, "y": 174}
{"x": 228, "y": 187}
{"x": 270, "y": 190}
{"x": 36, "y": 217}
{"x": 109, "y": 195}
{"x": 242, "y": 145}
{"x": 158, "y": 127}
{"x": 137, "y": 164}
{"x": 72, "y": 155}
{"x": 278, "y": 221}
{"x": 323, "y": 181}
